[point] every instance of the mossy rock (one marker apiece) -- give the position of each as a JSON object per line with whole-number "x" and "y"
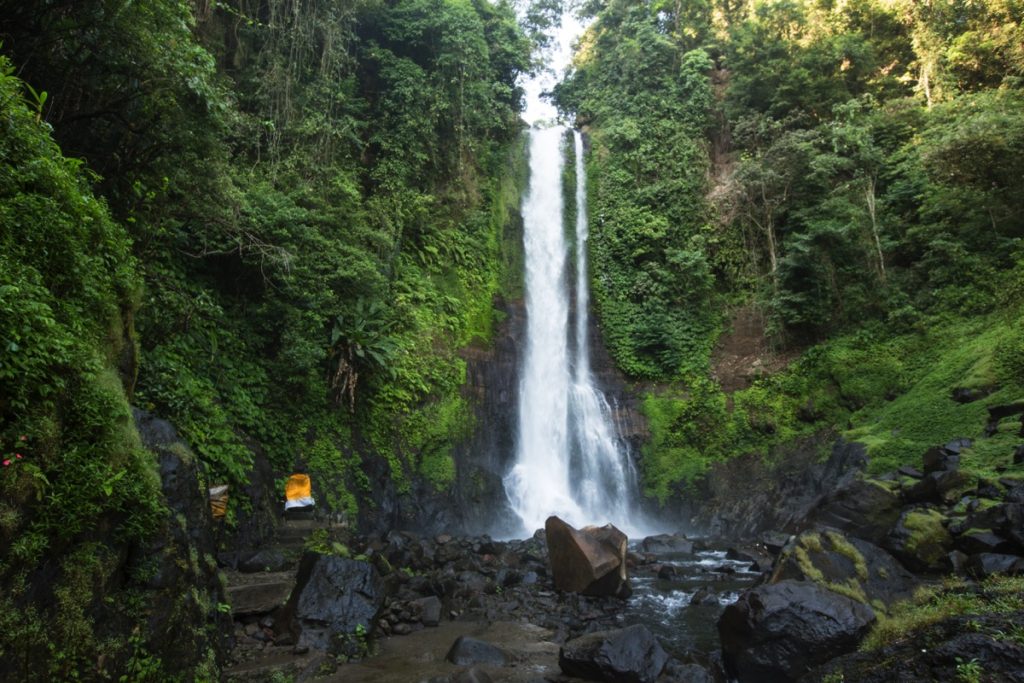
{"x": 846, "y": 565}
{"x": 921, "y": 541}
{"x": 866, "y": 508}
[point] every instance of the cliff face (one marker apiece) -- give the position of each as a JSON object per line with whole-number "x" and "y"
{"x": 623, "y": 396}
{"x": 492, "y": 387}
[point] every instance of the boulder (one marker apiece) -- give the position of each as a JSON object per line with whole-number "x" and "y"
{"x": 429, "y": 610}
{"x": 908, "y": 471}
{"x": 976, "y": 541}
{"x": 936, "y": 487}
{"x": 704, "y": 596}
{"x": 591, "y": 561}
{"x": 920, "y": 541}
{"x": 1018, "y": 455}
{"x": 851, "y": 566}
{"x": 983, "y": 565}
{"x": 774, "y": 541}
{"x": 665, "y": 544}
{"x": 943, "y": 458}
{"x": 173, "y": 569}
{"x": 466, "y": 651}
{"x": 334, "y": 598}
{"x": 865, "y": 508}
{"x": 629, "y": 655}
{"x": 778, "y": 632}
{"x": 1004, "y": 519}
{"x": 957, "y": 562}
{"x": 970, "y": 394}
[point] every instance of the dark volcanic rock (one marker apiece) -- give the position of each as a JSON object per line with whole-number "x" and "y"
{"x": 1005, "y": 519}
{"x": 430, "y": 610}
{"x": 664, "y": 544}
{"x": 186, "y": 590}
{"x": 937, "y": 652}
{"x": 779, "y": 632}
{"x": 965, "y": 395}
{"x": 704, "y": 596}
{"x": 851, "y": 563}
{"x": 983, "y": 565}
{"x": 936, "y": 487}
{"x": 920, "y": 541}
{"x": 677, "y": 672}
{"x": 982, "y": 541}
{"x": 629, "y": 655}
{"x": 943, "y": 458}
{"x": 466, "y": 651}
{"x": 788, "y": 487}
{"x": 266, "y": 560}
{"x": 333, "y": 598}
{"x": 774, "y": 541}
{"x": 908, "y": 471}
{"x": 864, "y": 508}
{"x": 666, "y": 572}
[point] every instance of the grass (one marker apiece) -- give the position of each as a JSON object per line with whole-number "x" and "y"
{"x": 898, "y": 432}
{"x": 930, "y": 605}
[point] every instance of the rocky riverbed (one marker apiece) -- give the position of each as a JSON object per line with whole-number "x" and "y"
{"x": 835, "y": 595}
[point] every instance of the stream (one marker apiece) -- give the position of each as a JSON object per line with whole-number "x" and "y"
{"x": 663, "y": 605}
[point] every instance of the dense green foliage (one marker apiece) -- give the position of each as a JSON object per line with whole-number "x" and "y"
{"x": 315, "y": 192}
{"x": 851, "y": 170}
{"x": 300, "y": 206}
{"x": 72, "y": 461}
{"x": 649, "y": 105}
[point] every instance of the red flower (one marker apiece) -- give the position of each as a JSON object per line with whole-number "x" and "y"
{"x": 7, "y": 462}
{"x": 18, "y": 456}
{"x": 22, "y": 438}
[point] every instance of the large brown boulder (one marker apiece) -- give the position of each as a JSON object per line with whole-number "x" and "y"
{"x": 591, "y": 560}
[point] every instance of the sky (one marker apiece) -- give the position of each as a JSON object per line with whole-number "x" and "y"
{"x": 558, "y": 58}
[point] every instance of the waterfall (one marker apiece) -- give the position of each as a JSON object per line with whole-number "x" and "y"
{"x": 569, "y": 459}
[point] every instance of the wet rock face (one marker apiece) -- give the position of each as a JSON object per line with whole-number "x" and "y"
{"x": 591, "y": 561}
{"x": 745, "y": 496}
{"x": 492, "y": 388}
{"x": 863, "y": 508}
{"x": 173, "y": 575}
{"x": 663, "y": 544}
{"x": 780, "y": 631}
{"x": 334, "y": 598}
{"x": 629, "y": 655}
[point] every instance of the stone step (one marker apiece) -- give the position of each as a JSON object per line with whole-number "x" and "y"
{"x": 258, "y": 593}
{"x": 279, "y": 660}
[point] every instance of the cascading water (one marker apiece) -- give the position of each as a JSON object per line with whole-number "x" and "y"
{"x": 607, "y": 479}
{"x": 569, "y": 459}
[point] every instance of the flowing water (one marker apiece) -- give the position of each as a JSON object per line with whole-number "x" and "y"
{"x": 569, "y": 459}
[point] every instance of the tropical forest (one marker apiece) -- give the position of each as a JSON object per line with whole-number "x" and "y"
{"x": 462, "y": 341}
